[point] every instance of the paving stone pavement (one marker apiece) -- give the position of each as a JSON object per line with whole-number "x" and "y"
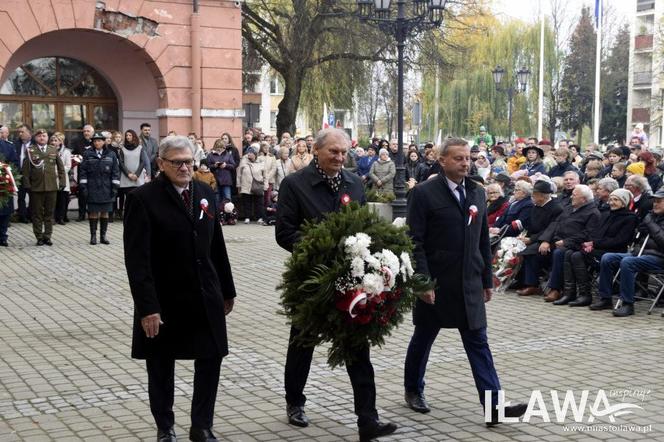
{"x": 66, "y": 374}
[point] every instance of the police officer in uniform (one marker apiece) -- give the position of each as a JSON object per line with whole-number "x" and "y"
{"x": 42, "y": 170}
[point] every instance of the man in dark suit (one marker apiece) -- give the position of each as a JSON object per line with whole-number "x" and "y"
{"x": 7, "y": 155}
{"x": 458, "y": 256}
{"x": 21, "y": 144}
{"x": 181, "y": 281}
{"x": 306, "y": 196}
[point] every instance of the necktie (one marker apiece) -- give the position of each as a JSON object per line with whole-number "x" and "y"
{"x": 185, "y": 198}
{"x": 462, "y": 196}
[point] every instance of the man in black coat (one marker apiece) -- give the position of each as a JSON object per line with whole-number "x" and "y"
{"x": 307, "y": 195}
{"x": 545, "y": 211}
{"x": 7, "y": 155}
{"x": 21, "y": 144}
{"x": 458, "y": 257}
{"x": 181, "y": 281}
{"x": 643, "y": 202}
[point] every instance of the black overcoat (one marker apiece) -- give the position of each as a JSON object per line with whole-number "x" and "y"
{"x": 573, "y": 226}
{"x": 304, "y": 195}
{"x": 615, "y": 231}
{"x": 177, "y": 266}
{"x": 541, "y": 217}
{"x": 453, "y": 252}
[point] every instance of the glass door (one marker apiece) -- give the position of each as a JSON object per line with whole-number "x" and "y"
{"x": 43, "y": 116}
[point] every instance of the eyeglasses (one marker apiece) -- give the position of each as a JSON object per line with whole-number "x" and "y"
{"x": 178, "y": 163}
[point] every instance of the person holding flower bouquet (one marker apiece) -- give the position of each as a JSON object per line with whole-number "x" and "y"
{"x": 307, "y": 195}
{"x": 8, "y": 187}
{"x": 459, "y": 258}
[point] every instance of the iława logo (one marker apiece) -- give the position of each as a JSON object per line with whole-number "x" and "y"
{"x": 590, "y": 410}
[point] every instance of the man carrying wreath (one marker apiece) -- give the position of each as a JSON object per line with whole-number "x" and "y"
{"x": 307, "y": 195}
{"x": 448, "y": 224}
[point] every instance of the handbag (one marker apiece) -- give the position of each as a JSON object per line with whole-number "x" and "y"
{"x": 256, "y": 186}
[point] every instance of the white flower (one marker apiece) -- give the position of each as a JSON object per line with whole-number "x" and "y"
{"x": 406, "y": 265}
{"x": 372, "y": 262}
{"x": 390, "y": 260}
{"x": 399, "y": 221}
{"x": 357, "y": 267}
{"x": 373, "y": 284}
{"x": 358, "y": 245}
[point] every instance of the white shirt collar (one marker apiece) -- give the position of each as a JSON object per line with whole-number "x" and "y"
{"x": 179, "y": 189}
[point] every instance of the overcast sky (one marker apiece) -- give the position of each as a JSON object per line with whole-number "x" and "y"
{"x": 527, "y": 9}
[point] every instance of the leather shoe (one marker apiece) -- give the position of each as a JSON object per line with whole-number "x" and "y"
{"x": 296, "y": 416}
{"x": 201, "y": 434}
{"x": 581, "y": 301}
{"x": 4, "y": 244}
{"x": 40, "y": 242}
{"x": 166, "y": 435}
{"x": 516, "y": 410}
{"x": 553, "y": 295}
{"x": 528, "y": 291}
{"x": 602, "y": 304}
{"x": 48, "y": 242}
{"x": 417, "y": 402}
{"x": 376, "y": 429}
{"x": 564, "y": 300}
{"x": 624, "y": 310}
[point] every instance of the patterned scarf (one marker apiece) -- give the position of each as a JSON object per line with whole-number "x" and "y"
{"x": 334, "y": 182}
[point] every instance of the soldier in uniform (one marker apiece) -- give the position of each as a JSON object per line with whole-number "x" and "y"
{"x": 42, "y": 170}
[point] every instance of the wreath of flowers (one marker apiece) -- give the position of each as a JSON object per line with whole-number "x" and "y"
{"x": 507, "y": 260}
{"x": 349, "y": 282}
{"x": 9, "y": 176}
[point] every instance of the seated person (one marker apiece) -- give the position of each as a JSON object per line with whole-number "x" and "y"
{"x": 641, "y": 192}
{"x": 614, "y": 234}
{"x": 517, "y": 215}
{"x": 542, "y": 216}
{"x": 496, "y": 203}
{"x": 651, "y": 231}
{"x": 604, "y": 188}
{"x": 566, "y": 235}
{"x": 618, "y": 173}
{"x": 570, "y": 180}
{"x": 534, "y": 157}
{"x": 592, "y": 171}
{"x": 563, "y": 164}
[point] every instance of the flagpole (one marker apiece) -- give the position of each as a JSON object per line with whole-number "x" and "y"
{"x": 598, "y": 57}
{"x": 540, "y": 98}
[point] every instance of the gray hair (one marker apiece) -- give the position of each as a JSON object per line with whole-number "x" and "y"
{"x": 524, "y": 186}
{"x": 641, "y": 183}
{"x": 174, "y": 142}
{"x": 450, "y": 142}
{"x": 576, "y": 174}
{"x": 586, "y": 192}
{"x": 323, "y": 135}
{"x": 608, "y": 184}
{"x": 497, "y": 187}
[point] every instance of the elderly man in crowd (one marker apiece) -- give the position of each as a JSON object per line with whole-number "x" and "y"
{"x": 604, "y": 188}
{"x": 565, "y": 236}
{"x": 545, "y": 211}
{"x": 651, "y": 231}
{"x": 643, "y": 202}
{"x": 182, "y": 285}
{"x": 571, "y": 179}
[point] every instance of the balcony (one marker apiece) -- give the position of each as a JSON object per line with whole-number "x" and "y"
{"x": 643, "y": 42}
{"x": 641, "y": 115}
{"x": 645, "y": 5}
{"x": 643, "y": 78}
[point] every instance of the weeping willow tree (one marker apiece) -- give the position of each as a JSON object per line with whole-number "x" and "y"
{"x": 468, "y": 96}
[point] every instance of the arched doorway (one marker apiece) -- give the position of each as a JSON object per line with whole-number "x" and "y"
{"x": 58, "y": 94}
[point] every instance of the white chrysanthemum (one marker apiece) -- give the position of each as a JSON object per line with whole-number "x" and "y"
{"x": 358, "y": 245}
{"x": 390, "y": 260}
{"x": 406, "y": 265}
{"x": 372, "y": 283}
{"x": 373, "y": 261}
{"x": 357, "y": 267}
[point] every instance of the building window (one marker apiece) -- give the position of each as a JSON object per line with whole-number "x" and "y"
{"x": 58, "y": 94}
{"x": 275, "y": 86}
{"x": 273, "y": 119}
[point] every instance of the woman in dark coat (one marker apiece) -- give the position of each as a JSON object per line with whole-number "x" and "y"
{"x": 614, "y": 234}
{"x": 517, "y": 215}
{"x": 99, "y": 180}
{"x": 222, "y": 163}
{"x": 497, "y": 203}
{"x": 534, "y": 156}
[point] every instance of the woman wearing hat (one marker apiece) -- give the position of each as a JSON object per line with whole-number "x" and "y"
{"x": 99, "y": 180}
{"x": 534, "y": 156}
{"x": 615, "y": 232}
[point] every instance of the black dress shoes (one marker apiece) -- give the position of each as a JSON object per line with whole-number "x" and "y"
{"x": 48, "y": 242}
{"x": 296, "y": 416}
{"x": 602, "y": 304}
{"x": 624, "y": 310}
{"x": 40, "y": 242}
{"x": 376, "y": 429}
{"x": 4, "y": 244}
{"x": 417, "y": 402}
{"x": 581, "y": 301}
{"x": 201, "y": 434}
{"x": 166, "y": 435}
{"x": 510, "y": 411}
{"x": 566, "y": 299}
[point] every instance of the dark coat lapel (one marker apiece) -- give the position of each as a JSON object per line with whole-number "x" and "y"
{"x": 173, "y": 195}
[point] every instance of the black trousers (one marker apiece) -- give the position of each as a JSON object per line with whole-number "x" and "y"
{"x": 82, "y": 204}
{"x": 23, "y": 209}
{"x": 249, "y": 202}
{"x": 61, "y": 205}
{"x": 360, "y": 372}
{"x": 161, "y": 385}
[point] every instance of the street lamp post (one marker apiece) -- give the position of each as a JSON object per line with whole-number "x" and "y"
{"x": 521, "y": 82}
{"x": 425, "y": 14}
